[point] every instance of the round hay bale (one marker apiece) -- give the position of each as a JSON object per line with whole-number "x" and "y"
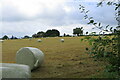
{"x": 39, "y": 40}
{"x": 62, "y": 40}
{"x": 15, "y": 71}
{"x": 30, "y": 39}
{"x": 2, "y": 41}
{"x": 32, "y": 57}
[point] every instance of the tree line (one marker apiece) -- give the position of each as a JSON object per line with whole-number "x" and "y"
{"x": 78, "y": 31}
{"x": 49, "y": 33}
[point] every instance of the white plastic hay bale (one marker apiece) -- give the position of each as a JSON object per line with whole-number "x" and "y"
{"x": 39, "y": 40}
{"x": 32, "y": 57}
{"x": 62, "y": 40}
{"x": 2, "y": 41}
{"x": 30, "y": 39}
{"x": 15, "y": 71}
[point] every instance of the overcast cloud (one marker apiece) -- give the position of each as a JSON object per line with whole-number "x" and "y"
{"x": 26, "y": 17}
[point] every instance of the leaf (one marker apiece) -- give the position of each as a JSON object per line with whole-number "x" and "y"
{"x": 116, "y": 8}
{"x": 91, "y": 21}
{"x": 87, "y": 11}
{"x": 94, "y": 23}
{"x": 82, "y": 6}
{"x": 111, "y": 28}
{"x": 99, "y": 4}
{"x": 99, "y": 24}
{"x": 83, "y": 9}
{"x": 107, "y": 26}
{"x": 91, "y": 18}
{"x": 88, "y": 23}
{"x": 115, "y": 4}
{"x": 101, "y": 27}
{"x": 118, "y": 26}
{"x": 86, "y": 16}
{"x": 106, "y": 30}
{"x": 109, "y": 3}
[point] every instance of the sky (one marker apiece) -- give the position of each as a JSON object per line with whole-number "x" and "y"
{"x": 27, "y": 17}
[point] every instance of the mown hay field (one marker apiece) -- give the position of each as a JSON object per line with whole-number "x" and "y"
{"x": 62, "y": 59}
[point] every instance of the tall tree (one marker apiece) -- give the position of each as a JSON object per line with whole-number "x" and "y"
{"x": 34, "y": 35}
{"x": 26, "y": 36}
{"x": 52, "y": 33}
{"x": 41, "y": 34}
{"x": 78, "y": 31}
{"x": 5, "y": 37}
{"x": 13, "y": 37}
{"x": 64, "y": 35}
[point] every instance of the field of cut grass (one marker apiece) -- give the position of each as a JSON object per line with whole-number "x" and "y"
{"x": 62, "y": 60}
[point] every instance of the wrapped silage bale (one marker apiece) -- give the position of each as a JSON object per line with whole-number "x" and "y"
{"x": 15, "y": 71}
{"x": 30, "y": 39}
{"x": 62, "y": 40}
{"x": 30, "y": 56}
{"x": 39, "y": 40}
{"x": 2, "y": 41}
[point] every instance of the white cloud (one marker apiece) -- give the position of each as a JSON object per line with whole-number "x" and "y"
{"x": 25, "y": 17}
{"x": 67, "y": 9}
{"x": 31, "y": 8}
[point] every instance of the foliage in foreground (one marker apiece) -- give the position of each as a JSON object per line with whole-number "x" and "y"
{"x": 104, "y": 47}
{"x": 107, "y": 47}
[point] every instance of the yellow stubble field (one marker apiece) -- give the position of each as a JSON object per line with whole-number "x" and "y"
{"x": 62, "y": 59}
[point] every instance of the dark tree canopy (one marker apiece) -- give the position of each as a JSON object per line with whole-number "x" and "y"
{"x": 34, "y": 35}
{"x": 64, "y": 35}
{"x": 26, "y": 36}
{"x": 78, "y": 31}
{"x": 5, "y": 37}
{"x": 52, "y": 33}
{"x": 41, "y": 34}
{"x": 48, "y": 33}
{"x": 13, "y": 37}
